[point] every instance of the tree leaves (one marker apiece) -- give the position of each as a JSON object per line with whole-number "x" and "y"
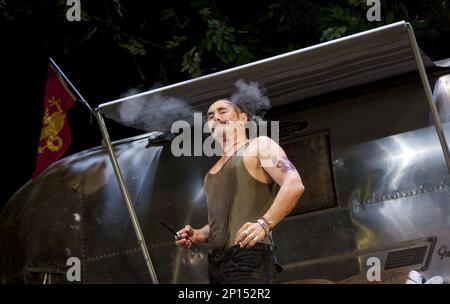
{"x": 333, "y": 33}
{"x": 173, "y": 40}
{"x": 348, "y": 17}
{"x": 176, "y": 41}
{"x": 133, "y": 46}
{"x": 191, "y": 62}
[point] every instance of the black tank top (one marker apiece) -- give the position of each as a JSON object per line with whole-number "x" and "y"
{"x": 235, "y": 197}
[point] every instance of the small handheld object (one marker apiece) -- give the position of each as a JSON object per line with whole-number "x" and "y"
{"x": 177, "y": 236}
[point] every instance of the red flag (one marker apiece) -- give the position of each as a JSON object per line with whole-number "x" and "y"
{"x": 55, "y": 135}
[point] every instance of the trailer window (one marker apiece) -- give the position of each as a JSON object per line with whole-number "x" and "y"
{"x": 311, "y": 156}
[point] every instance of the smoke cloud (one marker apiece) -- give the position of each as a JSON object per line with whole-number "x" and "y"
{"x": 251, "y": 99}
{"x": 153, "y": 113}
{"x": 157, "y": 113}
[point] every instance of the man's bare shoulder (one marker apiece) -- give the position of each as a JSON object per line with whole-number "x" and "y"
{"x": 263, "y": 142}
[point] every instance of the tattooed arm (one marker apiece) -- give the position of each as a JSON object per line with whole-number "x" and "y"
{"x": 275, "y": 162}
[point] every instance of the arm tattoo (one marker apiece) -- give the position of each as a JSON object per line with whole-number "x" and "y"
{"x": 285, "y": 164}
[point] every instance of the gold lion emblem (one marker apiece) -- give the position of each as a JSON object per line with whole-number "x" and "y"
{"x": 52, "y": 124}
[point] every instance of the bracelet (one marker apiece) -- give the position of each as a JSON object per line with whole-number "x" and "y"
{"x": 261, "y": 223}
{"x": 267, "y": 223}
{"x": 264, "y": 225}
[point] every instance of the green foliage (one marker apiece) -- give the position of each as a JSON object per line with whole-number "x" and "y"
{"x": 176, "y": 41}
{"x": 333, "y": 33}
{"x": 132, "y": 45}
{"x": 349, "y": 17}
{"x": 168, "y": 41}
{"x": 218, "y": 41}
{"x": 191, "y": 62}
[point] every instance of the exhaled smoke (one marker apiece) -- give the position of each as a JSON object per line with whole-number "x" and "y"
{"x": 154, "y": 112}
{"x": 251, "y": 99}
{"x": 157, "y": 113}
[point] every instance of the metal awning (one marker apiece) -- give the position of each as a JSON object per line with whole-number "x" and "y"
{"x": 342, "y": 63}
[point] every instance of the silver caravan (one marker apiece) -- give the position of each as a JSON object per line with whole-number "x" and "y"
{"x": 356, "y": 117}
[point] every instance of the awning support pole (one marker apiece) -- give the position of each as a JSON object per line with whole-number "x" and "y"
{"x": 126, "y": 197}
{"x": 429, "y": 95}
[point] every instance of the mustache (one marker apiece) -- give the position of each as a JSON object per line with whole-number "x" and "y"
{"x": 227, "y": 123}
{"x": 218, "y": 123}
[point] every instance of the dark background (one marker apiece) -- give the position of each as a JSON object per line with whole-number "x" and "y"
{"x": 119, "y": 45}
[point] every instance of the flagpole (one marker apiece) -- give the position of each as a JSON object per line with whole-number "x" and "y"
{"x": 71, "y": 86}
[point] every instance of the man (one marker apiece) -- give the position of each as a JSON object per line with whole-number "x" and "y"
{"x": 242, "y": 210}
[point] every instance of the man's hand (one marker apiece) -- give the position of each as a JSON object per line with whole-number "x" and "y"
{"x": 185, "y": 237}
{"x": 249, "y": 234}
{"x": 188, "y": 236}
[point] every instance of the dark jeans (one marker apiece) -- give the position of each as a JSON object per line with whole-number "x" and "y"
{"x": 235, "y": 265}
